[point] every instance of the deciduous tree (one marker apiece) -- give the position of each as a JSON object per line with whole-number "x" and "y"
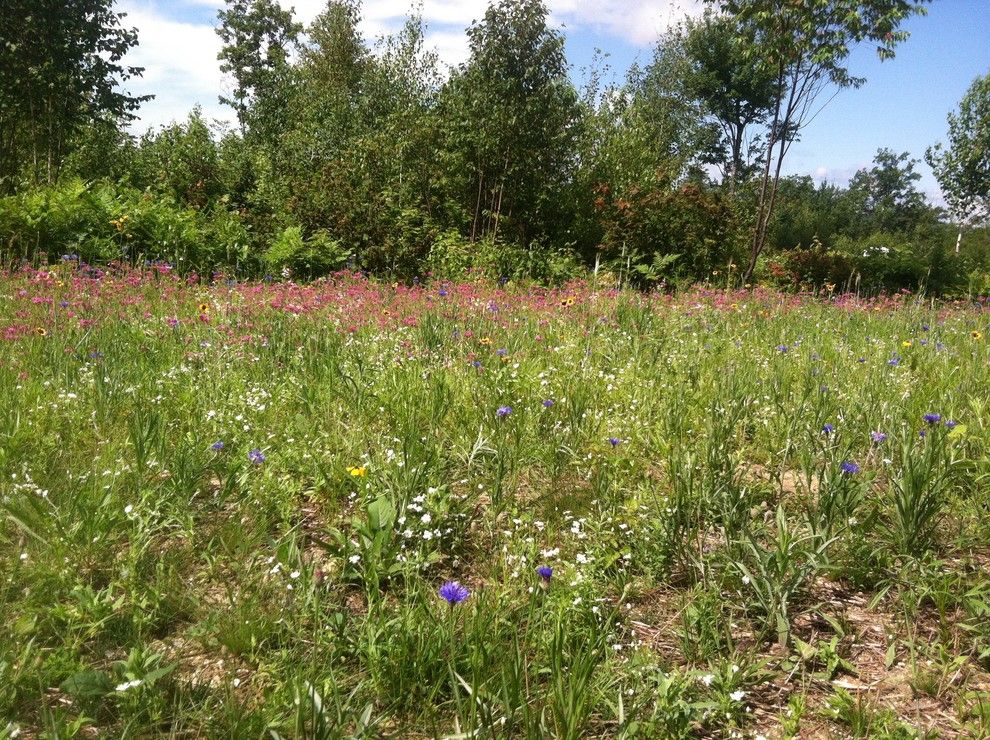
{"x": 60, "y": 71}
{"x": 963, "y": 169}
{"x": 805, "y": 44}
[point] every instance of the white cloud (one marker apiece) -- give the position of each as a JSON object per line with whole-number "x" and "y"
{"x": 835, "y": 175}
{"x": 181, "y": 67}
{"x": 638, "y": 22}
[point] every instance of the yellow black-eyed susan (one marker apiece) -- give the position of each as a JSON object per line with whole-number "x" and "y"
{"x": 204, "y": 307}
{"x": 41, "y": 331}
{"x": 568, "y": 301}
{"x": 977, "y": 335}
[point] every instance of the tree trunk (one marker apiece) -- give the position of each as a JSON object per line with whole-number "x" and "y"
{"x": 756, "y": 246}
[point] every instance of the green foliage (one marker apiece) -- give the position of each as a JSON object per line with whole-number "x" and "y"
{"x": 257, "y": 37}
{"x": 100, "y": 222}
{"x": 683, "y": 234}
{"x": 509, "y": 117}
{"x": 776, "y": 575}
{"x": 804, "y": 48}
{"x": 736, "y": 89}
{"x": 963, "y": 169}
{"x": 291, "y": 255}
{"x": 60, "y": 68}
{"x": 162, "y": 583}
{"x": 181, "y": 161}
{"x": 884, "y": 198}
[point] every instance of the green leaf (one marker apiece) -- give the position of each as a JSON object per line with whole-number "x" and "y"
{"x": 381, "y": 514}
{"x": 88, "y": 684}
{"x": 959, "y": 430}
{"x": 890, "y": 657}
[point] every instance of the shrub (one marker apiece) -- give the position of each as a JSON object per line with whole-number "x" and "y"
{"x": 307, "y": 258}
{"x": 101, "y": 222}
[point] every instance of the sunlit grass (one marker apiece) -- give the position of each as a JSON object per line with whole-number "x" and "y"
{"x": 229, "y": 509}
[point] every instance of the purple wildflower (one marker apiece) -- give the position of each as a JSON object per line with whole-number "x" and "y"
{"x": 256, "y": 456}
{"x": 453, "y": 592}
{"x": 782, "y": 348}
{"x": 878, "y": 437}
{"x": 848, "y": 467}
{"x": 501, "y": 352}
{"x": 217, "y": 446}
{"x": 614, "y": 441}
{"x": 894, "y": 361}
{"x": 828, "y": 429}
{"x": 503, "y": 411}
{"x": 545, "y": 572}
{"x": 951, "y": 424}
{"x": 548, "y": 403}
{"x": 932, "y": 419}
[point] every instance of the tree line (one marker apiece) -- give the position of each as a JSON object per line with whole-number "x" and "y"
{"x": 374, "y": 156}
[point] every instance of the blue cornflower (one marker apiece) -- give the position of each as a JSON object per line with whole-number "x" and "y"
{"x": 828, "y": 429}
{"x": 878, "y": 437}
{"x": 932, "y": 418}
{"x": 548, "y": 403}
{"x": 545, "y": 572}
{"x": 894, "y": 361}
{"x": 849, "y": 468}
{"x": 453, "y": 592}
{"x": 501, "y": 352}
{"x": 951, "y": 424}
{"x": 614, "y": 441}
{"x": 442, "y": 292}
{"x": 256, "y": 456}
{"x": 476, "y": 364}
{"x": 782, "y": 348}
{"x": 925, "y": 327}
{"x": 217, "y": 446}
{"x": 503, "y": 411}
{"x": 861, "y": 360}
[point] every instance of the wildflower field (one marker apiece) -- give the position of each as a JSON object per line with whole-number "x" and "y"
{"x": 348, "y": 509}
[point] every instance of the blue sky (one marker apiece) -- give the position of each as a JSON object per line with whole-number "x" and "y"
{"x": 903, "y": 105}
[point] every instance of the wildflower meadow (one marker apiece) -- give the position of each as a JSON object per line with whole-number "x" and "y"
{"x": 478, "y": 510}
